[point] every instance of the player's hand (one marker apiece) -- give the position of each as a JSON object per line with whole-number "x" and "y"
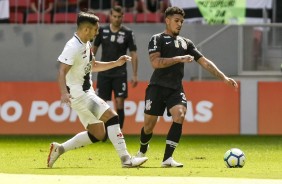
{"x": 122, "y": 59}
{"x": 186, "y": 58}
{"x": 65, "y": 99}
{"x": 134, "y": 81}
{"x": 231, "y": 82}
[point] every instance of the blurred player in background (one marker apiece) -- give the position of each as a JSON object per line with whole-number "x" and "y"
{"x": 74, "y": 77}
{"x": 115, "y": 40}
{"x": 168, "y": 52}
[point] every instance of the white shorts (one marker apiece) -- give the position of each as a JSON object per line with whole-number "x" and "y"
{"x": 89, "y": 108}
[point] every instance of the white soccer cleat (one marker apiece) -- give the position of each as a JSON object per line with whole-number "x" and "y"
{"x": 140, "y": 154}
{"x": 170, "y": 162}
{"x": 134, "y": 162}
{"x": 54, "y": 154}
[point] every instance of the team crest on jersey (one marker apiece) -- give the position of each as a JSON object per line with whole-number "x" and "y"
{"x": 88, "y": 67}
{"x": 120, "y": 39}
{"x": 148, "y": 105}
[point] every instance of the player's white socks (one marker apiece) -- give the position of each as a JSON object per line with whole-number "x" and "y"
{"x": 116, "y": 137}
{"x": 79, "y": 140}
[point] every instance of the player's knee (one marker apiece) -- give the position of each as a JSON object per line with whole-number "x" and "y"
{"x": 179, "y": 115}
{"x": 148, "y": 129}
{"x": 94, "y": 138}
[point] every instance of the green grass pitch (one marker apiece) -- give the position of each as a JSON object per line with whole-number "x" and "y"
{"x": 202, "y": 156}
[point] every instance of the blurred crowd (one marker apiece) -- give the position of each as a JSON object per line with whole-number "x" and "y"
{"x": 24, "y": 11}
{"x": 18, "y": 11}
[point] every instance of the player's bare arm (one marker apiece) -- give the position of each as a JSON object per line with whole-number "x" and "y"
{"x": 211, "y": 67}
{"x": 159, "y": 62}
{"x": 134, "y": 61}
{"x": 95, "y": 49}
{"x": 99, "y": 66}
{"x": 63, "y": 70}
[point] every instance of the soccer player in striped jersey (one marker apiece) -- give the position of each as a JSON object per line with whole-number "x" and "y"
{"x": 77, "y": 62}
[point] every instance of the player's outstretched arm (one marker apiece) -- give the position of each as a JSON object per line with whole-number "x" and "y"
{"x": 99, "y": 66}
{"x": 158, "y": 62}
{"x": 211, "y": 67}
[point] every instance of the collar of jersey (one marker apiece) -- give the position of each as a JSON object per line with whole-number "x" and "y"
{"x": 75, "y": 35}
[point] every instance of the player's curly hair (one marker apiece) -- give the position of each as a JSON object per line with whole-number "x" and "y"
{"x": 174, "y": 10}
{"x": 87, "y": 16}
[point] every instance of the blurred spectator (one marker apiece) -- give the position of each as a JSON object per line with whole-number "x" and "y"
{"x": 66, "y": 5}
{"x": 129, "y": 5}
{"x": 45, "y": 6}
{"x": 258, "y": 12}
{"x": 4, "y": 11}
{"x": 101, "y": 5}
{"x": 153, "y": 6}
{"x": 192, "y": 12}
{"x": 278, "y": 14}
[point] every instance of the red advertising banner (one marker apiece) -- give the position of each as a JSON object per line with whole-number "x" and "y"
{"x": 34, "y": 108}
{"x": 269, "y": 108}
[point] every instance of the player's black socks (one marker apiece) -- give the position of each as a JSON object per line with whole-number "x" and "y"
{"x": 92, "y": 137}
{"x": 144, "y": 141}
{"x": 172, "y": 139}
{"x": 114, "y": 120}
{"x": 120, "y": 113}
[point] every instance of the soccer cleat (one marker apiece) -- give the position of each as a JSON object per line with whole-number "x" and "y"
{"x": 140, "y": 154}
{"x": 170, "y": 162}
{"x": 54, "y": 154}
{"x": 134, "y": 162}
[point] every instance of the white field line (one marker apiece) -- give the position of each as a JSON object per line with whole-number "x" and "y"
{"x": 65, "y": 179}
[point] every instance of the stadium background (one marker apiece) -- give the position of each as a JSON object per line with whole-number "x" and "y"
{"x": 29, "y": 94}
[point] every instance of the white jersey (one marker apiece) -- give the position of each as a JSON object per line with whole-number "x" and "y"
{"x": 79, "y": 55}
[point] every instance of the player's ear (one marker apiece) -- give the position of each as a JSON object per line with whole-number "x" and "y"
{"x": 167, "y": 20}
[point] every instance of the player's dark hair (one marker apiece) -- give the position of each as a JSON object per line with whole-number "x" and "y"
{"x": 87, "y": 17}
{"x": 116, "y": 8}
{"x": 174, "y": 10}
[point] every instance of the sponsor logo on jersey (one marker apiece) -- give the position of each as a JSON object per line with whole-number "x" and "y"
{"x": 113, "y": 37}
{"x": 106, "y": 30}
{"x": 176, "y": 43}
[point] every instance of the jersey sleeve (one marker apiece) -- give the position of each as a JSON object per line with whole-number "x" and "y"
{"x": 193, "y": 51}
{"x": 132, "y": 44}
{"x": 98, "y": 38}
{"x": 68, "y": 55}
{"x": 154, "y": 44}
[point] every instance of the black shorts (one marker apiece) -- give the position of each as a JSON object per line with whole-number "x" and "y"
{"x": 158, "y": 98}
{"x": 105, "y": 86}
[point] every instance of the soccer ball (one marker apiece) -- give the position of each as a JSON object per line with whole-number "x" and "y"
{"x": 234, "y": 158}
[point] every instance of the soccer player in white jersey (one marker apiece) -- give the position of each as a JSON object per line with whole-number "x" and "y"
{"x": 76, "y": 64}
